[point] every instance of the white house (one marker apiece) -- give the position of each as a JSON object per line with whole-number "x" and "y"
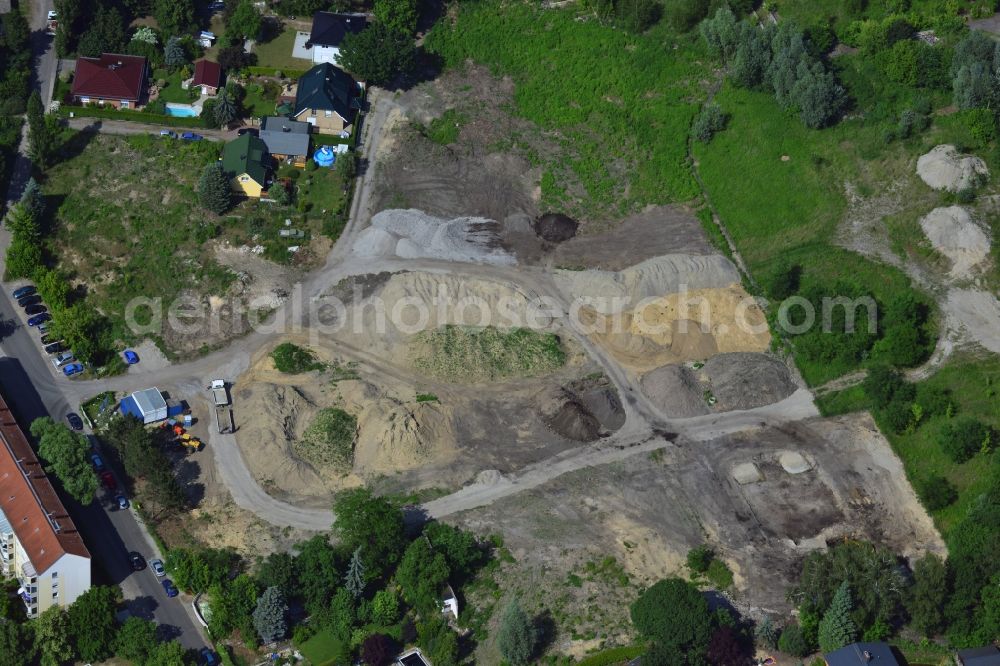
{"x": 39, "y": 544}
{"x": 328, "y": 32}
{"x": 147, "y": 405}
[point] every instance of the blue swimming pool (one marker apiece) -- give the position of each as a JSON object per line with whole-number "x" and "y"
{"x": 181, "y": 111}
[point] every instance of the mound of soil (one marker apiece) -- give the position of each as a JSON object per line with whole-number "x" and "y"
{"x": 564, "y": 413}
{"x": 944, "y": 168}
{"x": 676, "y": 391}
{"x": 745, "y": 381}
{"x": 953, "y": 233}
{"x": 604, "y": 403}
{"x": 556, "y": 227}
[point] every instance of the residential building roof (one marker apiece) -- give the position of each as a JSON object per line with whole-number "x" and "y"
{"x": 327, "y": 88}
{"x": 329, "y": 29}
{"x": 111, "y": 76}
{"x": 248, "y": 155}
{"x": 984, "y": 656}
{"x": 862, "y": 654}
{"x": 29, "y": 502}
{"x": 285, "y": 137}
{"x": 207, "y": 73}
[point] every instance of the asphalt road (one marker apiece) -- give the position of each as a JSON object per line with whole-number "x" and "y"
{"x": 30, "y": 385}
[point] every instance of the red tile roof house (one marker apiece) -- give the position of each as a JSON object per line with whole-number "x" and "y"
{"x": 112, "y": 80}
{"x": 208, "y": 75}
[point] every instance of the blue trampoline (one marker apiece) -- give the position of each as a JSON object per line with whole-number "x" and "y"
{"x": 324, "y": 157}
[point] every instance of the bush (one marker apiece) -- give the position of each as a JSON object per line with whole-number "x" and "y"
{"x": 329, "y": 439}
{"x": 936, "y": 492}
{"x": 684, "y": 15}
{"x": 981, "y": 124}
{"x": 720, "y": 575}
{"x": 292, "y": 359}
{"x": 793, "y": 642}
{"x": 962, "y": 438}
{"x": 699, "y": 559}
{"x": 708, "y": 122}
{"x": 881, "y": 384}
{"x": 637, "y": 15}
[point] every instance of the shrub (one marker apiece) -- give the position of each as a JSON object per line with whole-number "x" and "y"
{"x": 292, "y": 359}
{"x": 719, "y": 574}
{"x": 962, "y": 438}
{"x": 329, "y": 439}
{"x": 881, "y": 384}
{"x": 699, "y": 559}
{"x": 684, "y": 15}
{"x": 708, "y": 122}
{"x": 793, "y": 642}
{"x": 936, "y": 492}
{"x": 637, "y": 15}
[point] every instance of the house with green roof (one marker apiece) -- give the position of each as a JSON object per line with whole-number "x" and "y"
{"x": 327, "y": 98}
{"x": 245, "y": 162}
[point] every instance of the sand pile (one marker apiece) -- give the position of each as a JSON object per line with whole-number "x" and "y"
{"x": 614, "y": 291}
{"x": 555, "y": 227}
{"x": 953, "y": 233}
{"x": 676, "y": 391}
{"x": 746, "y": 381}
{"x": 681, "y": 327}
{"x": 977, "y": 313}
{"x": 944, "y": 168}
{"x": 413, "y": 234}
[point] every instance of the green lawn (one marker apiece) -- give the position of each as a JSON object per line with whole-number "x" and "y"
{"x": 260, "y": 100}
{"x": 277, "y": 53}
{"x": 621, "y": 103}
{"x": 323, "y": 649}
{"x": 173, "y": 92}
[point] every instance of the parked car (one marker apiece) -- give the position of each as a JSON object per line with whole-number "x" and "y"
{"x": 40, "y": 319}
{"x": 35, "y": 309}
{"x": 49, "y": 339}
{"x": 29, "y": 299}
{"x": 135, "y": 559}
{"x": 21, "y": 292}
{"x": 156, "y": 566}
{"x": 52, "y": 15}
{"x": 191, "y": 136}
{"x": 253, "y": 131}
{"x": 168, "y": 587}
{"x": 172, "y": 134}
{"x": 121, "y": 501}
{"x": 108, "y": 479}
{"x": 98, "y": 463}
{"x": 208, "y": 658}
{"x": 75, "y": 422}
{"x": 73, "y": 369}
{"x": 130, "y": 357}
{"x": 63, "y": 359}
{"x": 54, "y": 348}
{"x": 43, "y": 328}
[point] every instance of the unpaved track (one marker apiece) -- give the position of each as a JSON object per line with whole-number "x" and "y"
{"x": 642, "y": 432}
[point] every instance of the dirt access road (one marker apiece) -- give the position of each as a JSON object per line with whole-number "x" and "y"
{"x": 646, "y": 428}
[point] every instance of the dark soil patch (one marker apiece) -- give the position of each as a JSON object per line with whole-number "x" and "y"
{"x": 556, "y": 227}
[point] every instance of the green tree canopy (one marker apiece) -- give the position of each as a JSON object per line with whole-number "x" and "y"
{"x": 243, "y": 23}
{"x": 674, "y": 616}
{"x": 837, "y": 629}
{"x": 92, "y": 622}
{"x": 375, "y": 524}
{"x": 214, "y": 190}
{"x": 422, "y": 574}
{"x": 378, "y": 53}
{"x": 105, "y": 33}
{"x": 517, "y": 637}
{"x": 53, "y": 637}
{"x": 66, "y": 455}
{"x": 136, "y": 640}
{"x": 270, "y": 615}
{"x": 927, "y": 597}
{"x": 174, "y": 17}
{"x": 397, "y": 15}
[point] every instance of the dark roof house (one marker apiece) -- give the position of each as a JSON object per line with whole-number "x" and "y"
{"x": 329, "y": 29}
{"x": 984, "y": 656}
{"x": 285, "y": 137}
{"x": 207, "y": 73}
{"x": 328, "y": 88}
{"x": 862, "y": 654}
{"x": 112, "y": 76}
{"x": 246, "y": 155}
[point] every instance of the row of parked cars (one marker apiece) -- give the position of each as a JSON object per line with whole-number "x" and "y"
{"x": 187, "y": 136}
{"x": 38, "y": 318}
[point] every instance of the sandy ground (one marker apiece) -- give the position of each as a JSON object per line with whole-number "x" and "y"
{"x": 952, "y": 232}
{"x": 648, "y": 511}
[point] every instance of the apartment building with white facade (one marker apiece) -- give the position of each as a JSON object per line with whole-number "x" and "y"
{"x": 39, "y": 544}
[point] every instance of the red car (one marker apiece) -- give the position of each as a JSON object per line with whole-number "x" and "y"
{"x": 109, "y": 480}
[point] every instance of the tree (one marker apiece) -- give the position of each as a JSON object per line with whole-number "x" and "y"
{"x": 727, "y": 648}
{"x": 637, "y": 16}
{"x": 66, "y": 455}
{"x": 33, "y": 200}
{"x": 517, "y": 637}
{"x": 213, "y": 189}
{"x": 752, "y": 58}
{"x": 233, "y": 603}
{"x": 699, "y": 558}
{"x": 373, "y": 522}
{"x": 92, "y": 622}
{"x": 23, "y": 259}
{"x": 23, "y": 223}
{"x": 974, "y": 86}
{"x": 318, "y": 575}
{"x": 378, "y": 53}
{"x": 233, "y": 58}
{"x": 422, "y": 574}
{"x": 837, "y": 629}
{"x": 710, "y": 120}
{"x": 936, "y": 492}
{"x": 684, "y": 15}
{"x": 16, "y": 645}
{"x": 881, "y": 384}
{"x": 41, "y": 137}
{"x": 817, "y": 94}
{"x": 766, "y": 633}
{"x": 385, "y": 607}
{"x": 136, "y": 640}
{"x": 174, "y": 55}
{"x": 270, "y": 618}
{"x": 225, "y": 108}
{"x": 69, "y": 12}
{"x": 438, "y": 641}
{"x": 674, "y": 615}
{"x": 377, "y": 650}
{"x": 721, "y": 33}
{"x": 354, "y": 579}
{"x": 964, "y": 437}
{"x": 170, "y": 653}
{"x": 243, "y": 23}
{"x": 105, "y": 34}
{"x": 278, "y": 570}
{"x": 396, "y": 15}
{"x": 53, "y": 638}
{"x": 174, "y": 17}
{"x": 793, "y": 642}
{"x": 927, "y": 597}
{"x": 460, "y": 549}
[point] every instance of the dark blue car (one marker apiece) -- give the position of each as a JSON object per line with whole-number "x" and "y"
{"x": 130, "y": 357}
{"x": 168, "y": 587}
{"x": 39, "y": 319}
{"x": 191, "y": 136}
{"x": 21, "y": 292}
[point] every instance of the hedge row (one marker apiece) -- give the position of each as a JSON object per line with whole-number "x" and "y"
{"x": 273, "y": 71}
{"x": 132, "y": 116}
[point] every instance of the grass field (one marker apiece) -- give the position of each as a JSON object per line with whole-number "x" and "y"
{"x": 277, "y": 53}
{"x": 322, "y": 649}
{"x": 621, "y": 103}
{"x": 462, "y": 353}
{"x": 173, "y": 92}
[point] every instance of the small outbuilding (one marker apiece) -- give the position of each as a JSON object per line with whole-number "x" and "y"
{"x": 984, "y": 656}
{"x": 208, "y": 76}
{"x": 147, "y": 405}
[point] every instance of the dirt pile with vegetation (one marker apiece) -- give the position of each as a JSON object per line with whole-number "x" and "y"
{"x": 467, "y": 354}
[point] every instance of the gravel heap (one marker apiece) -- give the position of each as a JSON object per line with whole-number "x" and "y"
{"x": 953, "y": 233}
{"x": 944, "y": 168}
{"x": 413, "y": 234}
